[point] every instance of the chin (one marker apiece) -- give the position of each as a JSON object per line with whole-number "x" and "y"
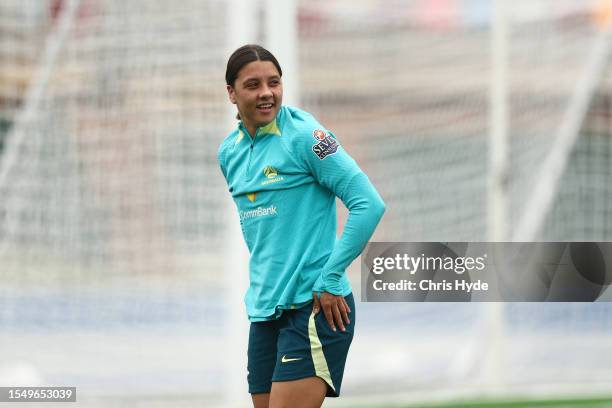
{"x": 265, "y": 119}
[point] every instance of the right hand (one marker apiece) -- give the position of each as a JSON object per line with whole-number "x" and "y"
{"x": 335, "y": 309}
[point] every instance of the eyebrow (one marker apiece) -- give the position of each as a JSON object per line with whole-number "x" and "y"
{"x": 253, "y": 79}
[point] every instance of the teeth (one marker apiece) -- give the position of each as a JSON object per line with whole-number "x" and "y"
{"x": 268, "y": 105}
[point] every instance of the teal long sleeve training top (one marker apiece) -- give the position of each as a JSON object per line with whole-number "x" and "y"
{"x": 284, "y": 181}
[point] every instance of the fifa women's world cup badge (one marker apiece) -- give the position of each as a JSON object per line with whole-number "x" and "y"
{"x": 326, "y": 146}
{"x": 319, "y": 134}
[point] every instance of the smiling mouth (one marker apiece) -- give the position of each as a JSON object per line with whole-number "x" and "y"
{"x": 265, "y": 107}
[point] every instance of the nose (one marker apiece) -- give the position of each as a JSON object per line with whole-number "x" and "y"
{"x": 266, "y": 92}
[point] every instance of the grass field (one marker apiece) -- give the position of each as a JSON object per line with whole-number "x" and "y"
{"x": 577, "y": 403}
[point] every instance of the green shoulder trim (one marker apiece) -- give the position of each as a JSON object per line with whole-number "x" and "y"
{"x": 270, "y": 128}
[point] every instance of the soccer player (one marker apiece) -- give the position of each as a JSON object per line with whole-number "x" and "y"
{"x": 284, "y": 171}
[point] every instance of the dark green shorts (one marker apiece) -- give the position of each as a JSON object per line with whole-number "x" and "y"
{"x": 298, "y": 345}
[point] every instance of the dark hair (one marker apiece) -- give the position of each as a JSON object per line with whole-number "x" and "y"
{"x": 244, "y": 55}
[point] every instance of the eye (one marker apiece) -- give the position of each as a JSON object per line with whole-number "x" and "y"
{"x": 274, "y": 82}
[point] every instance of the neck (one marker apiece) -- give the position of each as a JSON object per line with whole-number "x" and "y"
{"x": 251, "y": 130}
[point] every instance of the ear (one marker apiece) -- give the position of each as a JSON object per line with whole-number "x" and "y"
{"x": 231, "y": 94}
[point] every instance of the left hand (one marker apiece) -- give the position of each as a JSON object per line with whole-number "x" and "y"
{"x": 334, "y": 307}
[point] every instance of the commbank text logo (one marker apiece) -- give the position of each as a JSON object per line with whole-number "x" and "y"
{"x": 258, "y": 212}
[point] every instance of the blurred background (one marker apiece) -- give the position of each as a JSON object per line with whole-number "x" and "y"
{"x": 121, "y": 262}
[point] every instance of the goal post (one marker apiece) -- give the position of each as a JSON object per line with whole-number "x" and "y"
{"x": 36, "y": 87}
{"x": 550, "y": 173}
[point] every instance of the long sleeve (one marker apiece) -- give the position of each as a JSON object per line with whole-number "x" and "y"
{"x": 334, "y": 169}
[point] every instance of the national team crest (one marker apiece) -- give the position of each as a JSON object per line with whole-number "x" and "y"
{"x": 319, "y": 134}
{"x": 270, "y": 172}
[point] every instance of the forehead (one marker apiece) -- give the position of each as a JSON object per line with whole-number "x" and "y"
{"x": 257, "y": 70}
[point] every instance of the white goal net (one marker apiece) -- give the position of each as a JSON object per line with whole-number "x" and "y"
{"x": 113, "y": 213}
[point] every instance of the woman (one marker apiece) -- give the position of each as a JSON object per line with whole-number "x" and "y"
{"x": 284, "y": 171}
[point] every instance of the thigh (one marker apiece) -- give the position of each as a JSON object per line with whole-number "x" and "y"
{"x": 261, "y": 400}
{"x": 262, "y": 351}
{"x": 305, "y": 393}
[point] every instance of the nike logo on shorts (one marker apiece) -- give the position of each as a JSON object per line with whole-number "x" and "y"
{"x": 287, "y": 360}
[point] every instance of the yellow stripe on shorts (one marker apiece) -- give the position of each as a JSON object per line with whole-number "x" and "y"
{"x": 318, "y": 358}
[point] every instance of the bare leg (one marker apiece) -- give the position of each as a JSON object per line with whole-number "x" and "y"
{"x": 305, "y": 393}
{"x": 261, "y": 400}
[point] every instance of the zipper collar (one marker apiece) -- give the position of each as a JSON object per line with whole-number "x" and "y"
{"x": 270, "y": 128}
{"x": 244, "y": 130}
